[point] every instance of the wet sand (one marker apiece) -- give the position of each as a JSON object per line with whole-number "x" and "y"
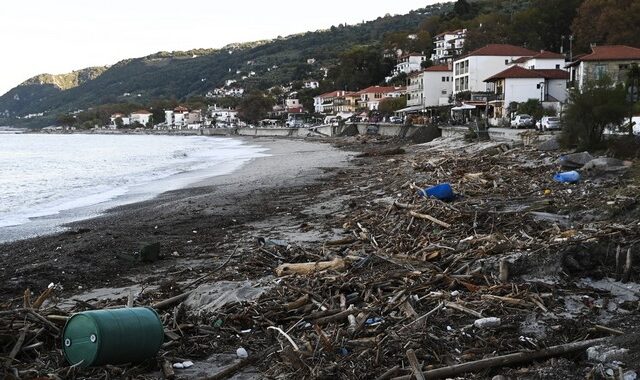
{"x": 193, "y": 225}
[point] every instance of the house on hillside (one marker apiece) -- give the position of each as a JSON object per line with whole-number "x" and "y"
{"x": 311, "y": 83}
{"x": 371, "y": 97}
{"x": 519, "y": 84}
{"x": 448, "y": 46}
{"x": 407, "y": 64}
{"x": 611, "y": 60}
{"x": 470, "y": 71}
{"x": 143, "y": 117}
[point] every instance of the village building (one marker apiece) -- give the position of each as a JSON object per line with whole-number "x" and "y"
{"x": 142, "y": 117}
{"x": 518, "y": 84}
{"x": 114, "y": 120}
{"x": 448, "y": 46}
{"x": 470, "y": 71}
{"x": 311, "y": 83}
{"x": 407, "y": 64}
{"x": 371, "y": 97}
{"x": 613, "y": 61}
{"x": 223, "y": 115}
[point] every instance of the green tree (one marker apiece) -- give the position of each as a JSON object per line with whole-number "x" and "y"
{"x": 119, "y": 122}
{"x": 360, "y": 67}
{"x": 65, "y": 120}
{"x": 255, "y": 107}
{"x": 607, "y": 22}
{"x": 390, "y": 105}
{"x": 599, "y": 105}
{"x": 534, "y": 108}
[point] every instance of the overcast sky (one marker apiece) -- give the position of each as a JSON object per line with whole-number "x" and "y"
{"x": 47, "y": 36}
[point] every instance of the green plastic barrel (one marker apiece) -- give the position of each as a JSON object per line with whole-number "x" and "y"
{"x": 116, "y": 336}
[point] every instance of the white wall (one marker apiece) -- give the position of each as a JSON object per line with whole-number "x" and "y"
{"x": 480, "y": 68}
{"x": 521, "y": 89}
{"x": 434, "y": 87}
{"x": 541, "y": 64}
{"x": 557, "y": 88}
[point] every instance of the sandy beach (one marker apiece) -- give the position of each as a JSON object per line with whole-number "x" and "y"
{"x": 191, "y": 224}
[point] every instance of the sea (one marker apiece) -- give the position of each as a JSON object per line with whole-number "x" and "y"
{"x": 47, "y": 180}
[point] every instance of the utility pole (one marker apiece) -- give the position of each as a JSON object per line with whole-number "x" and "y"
{"x": 571, "y": 48}
{"x": 562, "y": 45}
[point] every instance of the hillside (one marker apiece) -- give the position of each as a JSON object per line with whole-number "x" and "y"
{"x": 182, "y": 74}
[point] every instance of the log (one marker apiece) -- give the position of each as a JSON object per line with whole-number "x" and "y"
{"x": 507, "y": 360}
{"x": 171, "y": 301}
{"x": 415, "y": 365}
{"x": 336, "y": 264}
{"x": 167, "y": 370}
{"x": 429, "y": 218}
{"x": 388, "y": 374}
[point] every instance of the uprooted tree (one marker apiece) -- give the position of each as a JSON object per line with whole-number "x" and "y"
{"x": 599, "y": 105}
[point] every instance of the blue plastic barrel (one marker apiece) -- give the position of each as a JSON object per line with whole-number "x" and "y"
{"x": 567, "y": 177}
{"x": 442, "y": 191}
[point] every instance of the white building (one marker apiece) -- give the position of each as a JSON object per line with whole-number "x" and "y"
{"x": 407, "y": 64}
{"x": 615, "y": 61}
{"x": 371, "y": 97}
{"x": 518, "y": 84}
{"x": 544, "y": 60}
{"x": 125, "y": 120}
{"x": 429, "y": 88}
{"x": 470, "y": 71}
{"x": 448, "y": 45}
{"x": 310, "y": 83}
{"x": 223, "y": 115}
{"x": 143, "y": 117}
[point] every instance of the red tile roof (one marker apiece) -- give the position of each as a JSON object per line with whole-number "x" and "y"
{"x": 541, "y": 55}
{"x": 181, "y": 109}
{"x": 141, "y": 112}
{"x": 502, "y": 50}
{"x": 439, "y": 68}
{"x": 554, "y": 73}
{"x": 521, "y": 72}
{"x": 379, "y": 90}
{"x": 612, "y": 53}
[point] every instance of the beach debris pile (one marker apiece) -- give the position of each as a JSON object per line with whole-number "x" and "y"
{"x": 514, "y": 276}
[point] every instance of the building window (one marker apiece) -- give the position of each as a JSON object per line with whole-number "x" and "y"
{"x": 444, "y": 92}
{"x": 443, "y": 79}
{"x": 600, "y": 71}
{"x": 506, "y": 61}
{"x": 557, "y": 66}
{"x": 623, "y": 67}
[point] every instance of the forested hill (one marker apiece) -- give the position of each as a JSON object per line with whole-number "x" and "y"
{"x": 182, "y": 74}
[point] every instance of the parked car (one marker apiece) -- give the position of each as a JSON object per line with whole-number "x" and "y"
{"x": 522, "y": 121}
{"x": 395, "y": 120}
{"x": 548, "y": 123}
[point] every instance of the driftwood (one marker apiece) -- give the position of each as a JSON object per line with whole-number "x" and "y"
{"x": 429, "y": 218}
{"x": 507, "y": 360}
{"x": 336, "y": 264}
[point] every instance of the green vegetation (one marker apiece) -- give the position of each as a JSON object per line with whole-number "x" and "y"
{"x": 599, "y": 106}
{"x": 389, "y": 105}
{"x": 255, "y": 107}
{"x": 356, "y": 56}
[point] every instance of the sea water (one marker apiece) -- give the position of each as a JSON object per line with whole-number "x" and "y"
{"x": 47, "y": 180}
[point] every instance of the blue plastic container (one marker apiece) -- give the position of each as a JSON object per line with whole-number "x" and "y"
{"x": 567, "y": 177}
{"x": 443, "y": 191}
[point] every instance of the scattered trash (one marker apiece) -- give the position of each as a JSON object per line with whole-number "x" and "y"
{"x": 183, "y": 365}
{"x": 606, "y": 354}
{"x": 487, "y": 323}
{"x": 567, "y": 177}
{"x": 242, "y": 353}
{"x": 606, "y": 165}
{"x": 211, "y": 297}
{"x": 442, "y": 191}
{"x": 374, "y": 321}
{"x": 263, "y": 242}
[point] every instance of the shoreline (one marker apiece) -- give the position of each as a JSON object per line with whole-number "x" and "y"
{"x": 290, "y": 164}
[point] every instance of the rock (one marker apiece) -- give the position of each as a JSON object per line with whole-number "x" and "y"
{"x": 242, "y": 353}
{"x": 603, "y": 165}
{"x": 499, "y": 377}
{"x": 575, "y": 160}
{"x": 487, "y": 323}
{"x": 630, "y": 375}
{"x": 606, "y": 354}
{"x": 549, "y": 145}
{"x": 150, "y": 252}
